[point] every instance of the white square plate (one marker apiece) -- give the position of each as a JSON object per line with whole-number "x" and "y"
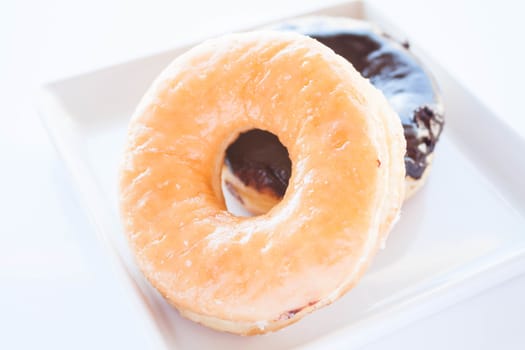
{"x": 463, "y": 232}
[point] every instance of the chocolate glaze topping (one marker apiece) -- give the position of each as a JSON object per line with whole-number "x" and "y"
{"x": 260, "y": 160}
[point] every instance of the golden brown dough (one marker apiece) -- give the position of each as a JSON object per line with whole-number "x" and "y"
{"x": 258, "y": 274}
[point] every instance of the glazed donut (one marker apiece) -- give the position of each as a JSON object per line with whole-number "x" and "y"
{"x": 258, "y": 274}
{"x": 257, "y": 166}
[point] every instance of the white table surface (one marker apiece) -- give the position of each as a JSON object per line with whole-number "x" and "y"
{"x": 56, "y": 290}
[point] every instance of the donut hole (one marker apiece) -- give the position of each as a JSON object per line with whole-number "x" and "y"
{"x": 256, "y": 172}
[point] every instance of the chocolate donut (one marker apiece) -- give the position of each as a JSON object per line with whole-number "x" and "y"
{"x": 258, "y": 165}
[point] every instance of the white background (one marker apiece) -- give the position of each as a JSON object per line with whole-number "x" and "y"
{"x": 56, "y": 290}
